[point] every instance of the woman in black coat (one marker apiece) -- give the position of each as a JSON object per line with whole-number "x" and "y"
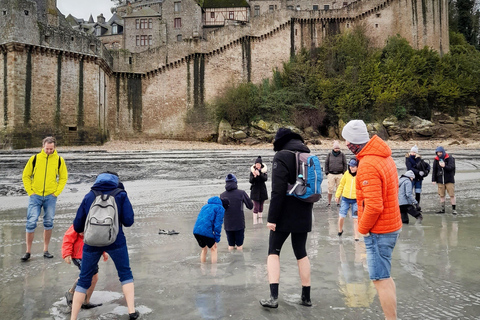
{"x": 258, "y": 189}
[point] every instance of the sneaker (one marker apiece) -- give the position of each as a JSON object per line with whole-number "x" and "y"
{"x": 26, "y": 256}
{"x": 69, "y": 298}
{"x": 270, "y": 303}
{"x": 90, "y": 305}
{"x": 454, "y": 212}
{"x": 340, "y": 233}
{"x": 133, "y": 316}
{"x": 441, "y": 211}
{"x": 328, "y": 204}
{"x": 338, "y": 204}
{"x": 48, "y": 255}
{"x": 170, "y": 232}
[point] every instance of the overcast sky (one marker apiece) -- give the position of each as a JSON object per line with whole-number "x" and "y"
{"x": 83, "y": 8}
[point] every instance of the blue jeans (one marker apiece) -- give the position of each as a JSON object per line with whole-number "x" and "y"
{"x": 345, "y": 204}
{"x": 417, "y": 186}
{"x": 379, "y": 253}
{"x": 35, "y": 204}
{"x": 90, "y": 267}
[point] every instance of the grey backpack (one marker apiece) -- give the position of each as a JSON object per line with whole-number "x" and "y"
{"x": 101, "y": 226}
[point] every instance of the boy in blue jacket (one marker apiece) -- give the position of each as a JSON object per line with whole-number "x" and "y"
{"x": 208, "y": 227}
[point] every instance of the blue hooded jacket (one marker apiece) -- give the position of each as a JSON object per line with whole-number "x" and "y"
{"x": 106, "y": 183}
{"x": 210, "y": 219}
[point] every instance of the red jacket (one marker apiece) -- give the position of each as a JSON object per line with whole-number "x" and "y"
{"x": 377, "y": 189}
{"x": 72, "y": 244}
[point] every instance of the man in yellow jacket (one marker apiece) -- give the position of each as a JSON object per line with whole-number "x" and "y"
{"x": 44, "y": 178}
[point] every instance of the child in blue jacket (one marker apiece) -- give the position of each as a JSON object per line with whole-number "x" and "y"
{"x": 208, "y": 227}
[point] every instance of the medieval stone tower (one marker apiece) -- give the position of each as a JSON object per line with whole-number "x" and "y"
{"x": 54, "y": 80}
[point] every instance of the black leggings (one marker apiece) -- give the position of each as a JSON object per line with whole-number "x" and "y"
{"x": 277, "y": 239}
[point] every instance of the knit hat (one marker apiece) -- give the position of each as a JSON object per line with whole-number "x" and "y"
{"x": 355, "y": 131}
{"x": 283, "y": 136}
{"x": 353, "y": 163}
{"x": 231, "y": 177}
{"x": 336, "y": 144}
{"x": 259, "y": 160}
{"x": 414, "y": 149}
{"x": 409, "y": 174}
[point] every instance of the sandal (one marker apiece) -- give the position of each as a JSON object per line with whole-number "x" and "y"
{"x": 170, "y": 232}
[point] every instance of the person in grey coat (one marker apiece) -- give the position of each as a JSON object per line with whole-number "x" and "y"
{"x": 407, "y": 202}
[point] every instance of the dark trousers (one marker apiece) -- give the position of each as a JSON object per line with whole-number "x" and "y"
{"x": 408, "y": 209}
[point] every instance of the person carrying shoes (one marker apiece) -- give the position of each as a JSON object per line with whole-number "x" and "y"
{"x": 72, "y": 250}
{"x": 287, "y": 216}
{"x": 443, "y": 174}
{"x": 44, "y": 178}
{"x": 408, "y": 204}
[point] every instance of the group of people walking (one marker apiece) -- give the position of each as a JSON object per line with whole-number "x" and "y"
{"x": 367, "y": 184}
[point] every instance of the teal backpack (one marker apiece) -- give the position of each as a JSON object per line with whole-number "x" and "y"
{"x": 309, "y": 178}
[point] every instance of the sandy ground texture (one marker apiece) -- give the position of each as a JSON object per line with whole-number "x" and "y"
{"x": 153, "y": 145}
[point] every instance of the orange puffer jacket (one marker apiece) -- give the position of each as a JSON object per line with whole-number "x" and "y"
{"x": 377, "y": 189}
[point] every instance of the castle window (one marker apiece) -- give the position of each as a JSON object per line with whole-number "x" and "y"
{"x": 137, "y": 23}
{"x": 98, "y": 31}
{"x": 179, "y": 37}
{"x": 178, "y": 6}
{"x": 270, "y": 8}
{"x": 345, "y": 4}
{"x": 150, "y": 23}
{"x": 315, "y": 7}
{"x": 378, "y": 15}
{"x": 4, "y": 12}
{"x": 137, "y": 38}
{"x": 26, "y": 12}
{"x": 257, "y": 11}
{"x": 129, "y": 60}
{"x": 376, "y": 25}
{"x": 150, "y": 40}
{"x": 114, "y": 29}
{"x": 231, "y": 15}
{"x": 177, "y": 23}
{"x": 143, "y": 23}
{"x": 326, "y": 7}
{"x": 298, "y": 7}
{"x": 289, "y": 7}
{"x": 212, "y": 15}
{"x": 348, "y": 25}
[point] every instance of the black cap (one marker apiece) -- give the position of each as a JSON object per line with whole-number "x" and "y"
{"x": 283, "y": 136}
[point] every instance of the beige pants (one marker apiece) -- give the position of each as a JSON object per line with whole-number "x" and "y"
{"x": 333, "y": 182}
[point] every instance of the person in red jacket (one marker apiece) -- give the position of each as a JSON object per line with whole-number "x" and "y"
{"x": 72, "y": 249}
{"x": 379, "y": 219}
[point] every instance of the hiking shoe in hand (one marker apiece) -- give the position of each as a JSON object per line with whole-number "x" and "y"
{"x": 69, "y": 298}
{"x": 48, "y": 255}
{"x": 270, "y": 303}
{"x": 90, "y": 305}
{"x": 133, "y": 316}
{"x": 26, "y": 256}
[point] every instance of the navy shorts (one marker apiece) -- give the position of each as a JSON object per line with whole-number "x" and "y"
{"x": 204, "y": 241}
{"x": 235, "y": 238}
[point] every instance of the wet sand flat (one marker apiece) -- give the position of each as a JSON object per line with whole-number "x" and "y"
{"x": 435, "y": 265}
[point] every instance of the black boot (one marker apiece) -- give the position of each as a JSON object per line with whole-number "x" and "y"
{"x": 442, "y": 210}
{"x": 273, "y": 301}
{"x": 306, "y": 297}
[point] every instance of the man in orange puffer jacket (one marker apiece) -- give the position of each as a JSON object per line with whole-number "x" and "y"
{"x": 379, "y": 219}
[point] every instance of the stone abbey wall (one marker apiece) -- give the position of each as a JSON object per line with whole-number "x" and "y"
{"x": 66, "y": 84}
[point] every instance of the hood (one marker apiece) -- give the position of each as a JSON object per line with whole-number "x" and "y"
{"x": 263, "y": 169}
{"x": 105, "y": 182}
{"x": 230, "y": 185}
{"x": 215, "y": 200}
{"x": 375, "y": 147}
{"x": 295, "y": 145}
{"x": 43, "y": 154}
{"x": 444, "y": 154}
{"x": 403, "y": 179}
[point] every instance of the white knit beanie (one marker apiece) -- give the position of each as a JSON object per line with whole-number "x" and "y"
{"x": 414, "y": 149}
{"x": 355, "y": 131}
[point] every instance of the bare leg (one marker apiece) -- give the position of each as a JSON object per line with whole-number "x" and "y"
{"x": 91, "y": 289}
{"x": 230, "y": 248}
{"x": 453, "y": 200}
{"x": 203, "y": 255}
{"x": 260, "y": 214}
{"x": 341, "y": 220}
{"x": 273, "y": 268}
{"x": 304, "y": 271}
{"x": 29, "y": 238}
{"x": 78, "y": 299}
{"x": 129, "y": 293}
{"x": 213, "y": 253}
{"x": 388, "y": 297}
{"x": 330, "y": 198}
{"x": 47, "y": 235}
{"x": 240, "y": 248}
{"x": 355, "y": 229}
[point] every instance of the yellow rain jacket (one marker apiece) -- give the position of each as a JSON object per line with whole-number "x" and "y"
{"x": 46, "y": 177}
{"x": 347, "y": 187}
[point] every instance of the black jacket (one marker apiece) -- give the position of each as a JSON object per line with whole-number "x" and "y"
{"x": 258, "y": 189}
{"x": 446, "y": 174}
{"x": 287, "y": 212}
{"x": 234, "y": 218}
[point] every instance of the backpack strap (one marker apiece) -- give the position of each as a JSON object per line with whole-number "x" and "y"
{"x": 296, "y": 153}
{"x": 34, "y": 162}
{"x": 59, "y": 162}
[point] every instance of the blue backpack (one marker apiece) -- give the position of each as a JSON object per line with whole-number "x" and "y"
{"x": 309, "y": 178}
